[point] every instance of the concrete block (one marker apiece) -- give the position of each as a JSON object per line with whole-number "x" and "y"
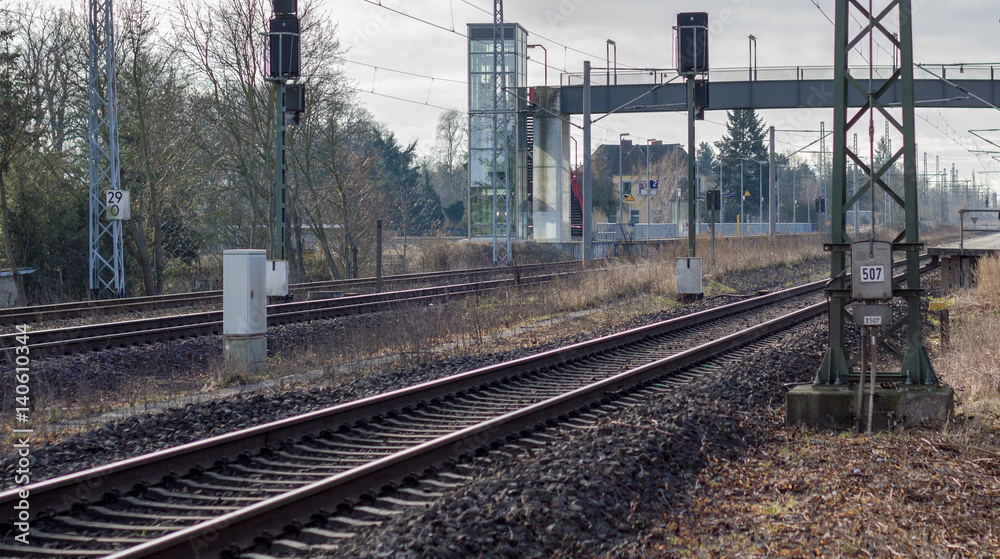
{"x": 245, "y": 353}
{"x": 834, "y": 407}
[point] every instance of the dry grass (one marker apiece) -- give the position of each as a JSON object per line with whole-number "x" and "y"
{"x": 498, "y": 321}
{"x": 972, "y": 362}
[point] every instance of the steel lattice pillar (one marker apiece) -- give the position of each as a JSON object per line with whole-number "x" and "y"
{"x": 838, "y": 365}
{"x": 107, "y": 268}
{"x": 503, "y": 165}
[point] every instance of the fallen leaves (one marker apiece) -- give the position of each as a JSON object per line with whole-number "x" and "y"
{"x": 805, "y": 494}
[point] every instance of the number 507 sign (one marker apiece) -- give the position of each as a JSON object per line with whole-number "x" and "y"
{"x": 117, "y": 205}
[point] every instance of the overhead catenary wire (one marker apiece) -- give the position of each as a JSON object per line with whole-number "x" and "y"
{"x": 386, "y": 95}
{"x": 441, "y": 27}
{"x": 553, "y": 41}
{"x": 406, "y": 73}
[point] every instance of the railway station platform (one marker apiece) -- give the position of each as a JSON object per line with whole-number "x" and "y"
{"x": 958, "y": 259}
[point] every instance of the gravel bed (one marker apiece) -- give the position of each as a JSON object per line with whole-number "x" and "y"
{"x": 610, "y": 489}
{"x": 154, "y": 431}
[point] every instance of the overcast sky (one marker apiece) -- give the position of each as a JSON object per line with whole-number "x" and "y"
{"x": 788, "y": 32}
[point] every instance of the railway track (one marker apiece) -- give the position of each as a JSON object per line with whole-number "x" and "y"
{"x": 203, "y": 498}
{"x": 364, "y": 458}
{"x": 103, "y": 336}
{"x": 64, "y": 311}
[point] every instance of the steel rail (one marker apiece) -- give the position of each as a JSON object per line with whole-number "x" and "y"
{"x": 241, "y": 528}
{"x": 59, "y": 493}
{"x": 63, "y": 492}
{"x": 43, "y": 313}
{"x": 94, "y": 337}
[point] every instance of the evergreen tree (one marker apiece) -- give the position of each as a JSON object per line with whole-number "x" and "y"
{"x": 744, "y": 139}
{"x": 708, "y": 164}
{"x": 414, "y": 208}
{"x": 604, "y": 191}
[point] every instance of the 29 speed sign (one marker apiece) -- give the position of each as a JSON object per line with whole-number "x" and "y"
{"x": 872, "y": 274}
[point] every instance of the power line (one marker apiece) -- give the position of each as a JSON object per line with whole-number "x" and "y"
{"x": 441, "y": 27}
{"x": 415, "y": 18}
{"x": 386, "y": 95}
{"x": 553, "y": 41}
{"x": 384, "y": 69}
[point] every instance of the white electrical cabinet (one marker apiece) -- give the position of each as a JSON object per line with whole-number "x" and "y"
{"x": 871, "y": 270}
{"x": 689, "y": 276}
{"x": 244, "y": 292}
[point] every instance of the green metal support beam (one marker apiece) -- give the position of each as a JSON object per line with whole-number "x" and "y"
{"x": 838, "y": 364}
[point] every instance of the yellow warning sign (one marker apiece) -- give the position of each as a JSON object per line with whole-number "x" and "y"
{"x": 629, "y": 198}
{"x": 747, "y": 193}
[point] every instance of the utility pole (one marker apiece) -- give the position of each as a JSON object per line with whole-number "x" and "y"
{"x": 822, "y": 176}
{"x": 772, "y": 209}
{"x": 854, "y": 188}
{"x": 648, "y": 190}
{"x": 106, "y": 252}
{"x": 588, "y": 195}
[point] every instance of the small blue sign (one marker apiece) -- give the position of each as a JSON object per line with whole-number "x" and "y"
{"x": 654, "y": 184}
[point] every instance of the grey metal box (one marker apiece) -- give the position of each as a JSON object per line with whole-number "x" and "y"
{"x": 244, "y": 292}
{"x": 871, "y": 270}
{"x": 689, "y": 276}
{"x": 277, "y": 278}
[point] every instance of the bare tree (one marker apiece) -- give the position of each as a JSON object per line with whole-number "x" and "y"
{"x": 226, "y": 53}
{"x": 156, "y": 136}
{"x": 451, "y": 157}
{"x": 18, "y": 114}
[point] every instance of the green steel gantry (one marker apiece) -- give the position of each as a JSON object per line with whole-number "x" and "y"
{"x": 838, "y": 364}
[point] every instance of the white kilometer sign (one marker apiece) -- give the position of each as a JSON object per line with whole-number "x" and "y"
{"x": 117, "y": 205}
{"x": 872, "y": 274}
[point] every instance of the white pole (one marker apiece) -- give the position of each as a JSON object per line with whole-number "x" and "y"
{"x": 647, "y": 189}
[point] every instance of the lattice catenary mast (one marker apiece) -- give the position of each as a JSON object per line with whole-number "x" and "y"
{"x": 107, "y": 267}
{"x": 915, "y": 367}
{"x": 502, "y": 254}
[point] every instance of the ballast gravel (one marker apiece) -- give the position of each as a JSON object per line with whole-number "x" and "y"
{"x": 149, "y": 432}
{"x": 610, "y": 489}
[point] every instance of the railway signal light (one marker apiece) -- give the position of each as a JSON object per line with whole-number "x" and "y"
{"x": 692, "y": 43}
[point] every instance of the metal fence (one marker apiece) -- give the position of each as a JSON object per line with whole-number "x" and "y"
{"x": 618, "y": 232}
{"x": 652, "y": 76}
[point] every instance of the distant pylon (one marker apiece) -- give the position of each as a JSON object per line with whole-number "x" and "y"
{"x": 107, "y": 268}
{"x": 502, "y": 164}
